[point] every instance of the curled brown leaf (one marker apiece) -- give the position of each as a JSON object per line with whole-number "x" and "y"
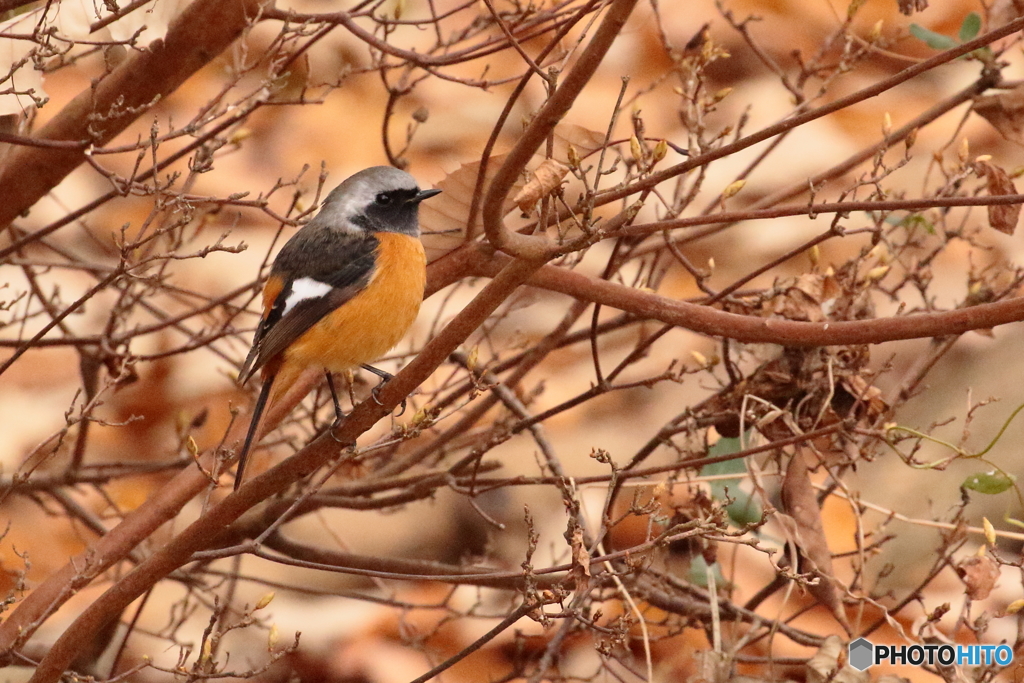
{"x": 801, "y": 505}
{"x": 1002, "y": 217}
{"x": 545, "y": 180}
{"x": 1005, "y": 112}
{"x": 979, "y": 575}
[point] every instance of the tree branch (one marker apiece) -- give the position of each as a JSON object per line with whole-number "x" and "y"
{"x": 750, "y": 329}
{"x": 203, "y": 30}
{"x": 536, "y": 247}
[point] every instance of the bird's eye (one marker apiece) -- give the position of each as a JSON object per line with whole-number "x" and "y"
{"x": 383, "y": 199}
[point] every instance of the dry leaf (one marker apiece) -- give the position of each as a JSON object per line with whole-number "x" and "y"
{"x": 810, "y": 298}
{"x": 545, "y": 180}
{"x": 1005, "y": 112}
{"x": 908, "y": 7}
{"x": 443, "y": 219}
{"x": 979, "y": 575}
{"x": 580, "y": 561}
{"x": 800, "y": 502}
{"x": 828, "y": 665}
{"x": 869, "y": 396}
{"x": 582, "y": 139}
{"x": 1002, "y": 217}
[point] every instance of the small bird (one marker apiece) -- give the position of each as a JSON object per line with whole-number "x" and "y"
{"x": 343, "y": 290}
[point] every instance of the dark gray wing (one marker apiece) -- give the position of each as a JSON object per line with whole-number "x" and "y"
{"x": 343, "y": 261}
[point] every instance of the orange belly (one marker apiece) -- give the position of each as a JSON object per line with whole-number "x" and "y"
{"x": 373, "y": 321}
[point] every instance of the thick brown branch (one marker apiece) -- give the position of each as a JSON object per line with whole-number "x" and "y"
{"x": 750, "y": 329}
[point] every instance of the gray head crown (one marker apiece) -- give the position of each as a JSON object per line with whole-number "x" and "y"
{"x": 376, "y": 199}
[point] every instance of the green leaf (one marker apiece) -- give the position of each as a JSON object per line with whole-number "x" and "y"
{"x": 919, "y": 221}
{"x": 989, "y": 483}
{"x": 721, "y": 447}
{"x": 934, "y": 40}
{"x": 698, "y": 575}
{"x": 743, "y": 510}
{"x": 971, "y": 27}
{"x": 911, "y": 221}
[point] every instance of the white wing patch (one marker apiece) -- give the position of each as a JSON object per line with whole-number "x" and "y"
{"x": 302, "y": 289}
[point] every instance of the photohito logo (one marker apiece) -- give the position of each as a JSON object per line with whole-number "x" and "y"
{"x": 863, "y": 653}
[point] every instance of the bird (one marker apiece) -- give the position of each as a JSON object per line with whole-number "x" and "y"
{"x": 343, "y": 290}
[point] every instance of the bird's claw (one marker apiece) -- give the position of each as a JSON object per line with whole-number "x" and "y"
{"x": 375, "y": 394}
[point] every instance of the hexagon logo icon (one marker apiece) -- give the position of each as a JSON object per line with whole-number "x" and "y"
{"x": 861, "y": 654}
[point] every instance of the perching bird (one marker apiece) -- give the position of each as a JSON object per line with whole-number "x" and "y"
{"x": 343, "y": 290}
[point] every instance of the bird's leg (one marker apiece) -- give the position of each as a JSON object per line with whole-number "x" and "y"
{"x": 385, "y": 377}
{"x": 338, "y": 415}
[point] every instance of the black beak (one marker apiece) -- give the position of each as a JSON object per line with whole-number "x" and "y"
{"x": 424, "y": 194}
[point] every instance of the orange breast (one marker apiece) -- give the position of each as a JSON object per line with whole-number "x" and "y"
{"x": 373, "y": 321}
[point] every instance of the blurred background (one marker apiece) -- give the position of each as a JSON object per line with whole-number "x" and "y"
{"x": 167, "y": 393}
